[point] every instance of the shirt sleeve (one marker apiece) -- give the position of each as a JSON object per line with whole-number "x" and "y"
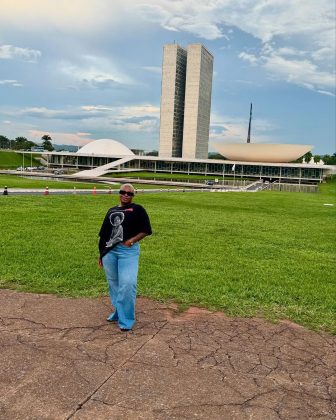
{"x": 103, "y": 226}
{"x": 103, "y": 233}
{"x": 144, "y": 225}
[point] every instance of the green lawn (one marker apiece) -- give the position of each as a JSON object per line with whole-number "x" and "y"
{"x": 14, "y": 181}
{"x": 12, "y": 160}
{"x": 269, "y": 254}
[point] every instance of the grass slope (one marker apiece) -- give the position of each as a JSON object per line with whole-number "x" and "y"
{"x": 13, "y": 181}
{"x": 269, "y": 254}
{"x": 12, "y": 160}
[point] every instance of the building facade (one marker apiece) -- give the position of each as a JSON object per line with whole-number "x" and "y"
{"x": 223, "y": 169}
{"x": 172, "y": 100}
{"x": 197, "y": 102}
{"x": 185, "y": 101}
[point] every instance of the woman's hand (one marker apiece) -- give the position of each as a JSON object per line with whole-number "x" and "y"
{"x": 129, "y": 243}
{"x": 100, "y": 263}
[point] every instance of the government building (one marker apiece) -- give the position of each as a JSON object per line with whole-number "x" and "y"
{"x": 101, "y": 157}
{"x": 184, "y": 136}
{"x": 185, "y": 101}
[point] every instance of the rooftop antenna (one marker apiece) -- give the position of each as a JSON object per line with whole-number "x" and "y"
{"x": 249, "y": 128}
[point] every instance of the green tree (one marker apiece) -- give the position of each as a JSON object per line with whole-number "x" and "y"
{"x": 46, "y": 143}
{"x": 329, "y": 160}
{"x": 22, "y": 143}
{"x": 307, "y": 157}
{"x": 4, "y": 142}
{"x": 153, "y": 153}
{"x": 217, "y": 156}
{"x": 317, "y": 158}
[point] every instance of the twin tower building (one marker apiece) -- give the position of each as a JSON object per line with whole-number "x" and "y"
{"x": 185, "y": 101}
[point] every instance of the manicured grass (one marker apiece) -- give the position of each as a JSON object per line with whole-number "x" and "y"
{"x": 268, "y": 254}
{"x": 14, "y": 181}
{"x": 12, "y": 160}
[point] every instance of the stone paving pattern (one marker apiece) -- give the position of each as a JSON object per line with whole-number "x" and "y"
{"x": 60, "y": 359}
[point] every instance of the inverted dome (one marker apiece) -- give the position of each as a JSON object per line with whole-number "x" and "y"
{"x": 252, "y": 152}
{"x": 105, "y": 147}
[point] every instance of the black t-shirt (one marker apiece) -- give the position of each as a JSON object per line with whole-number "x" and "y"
{"x": 121, "y": 224}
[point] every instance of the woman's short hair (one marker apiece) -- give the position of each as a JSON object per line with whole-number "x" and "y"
{"x": 127, "y": 185}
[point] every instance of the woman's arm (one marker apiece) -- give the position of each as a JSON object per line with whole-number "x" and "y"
{"x": 130, "y": 242}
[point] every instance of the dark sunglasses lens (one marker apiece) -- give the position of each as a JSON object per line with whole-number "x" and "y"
{"x": 129, "y": 193}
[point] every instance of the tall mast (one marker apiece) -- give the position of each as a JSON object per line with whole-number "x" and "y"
{"x": 249, "y": 128}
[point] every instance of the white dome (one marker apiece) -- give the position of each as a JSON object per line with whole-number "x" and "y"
{"x": 105, "y": 147}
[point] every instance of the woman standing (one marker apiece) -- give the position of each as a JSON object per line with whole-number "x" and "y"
{"x": 122, "y": 229}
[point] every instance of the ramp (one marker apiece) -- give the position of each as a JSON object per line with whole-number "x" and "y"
{"x": 102, "y": 170}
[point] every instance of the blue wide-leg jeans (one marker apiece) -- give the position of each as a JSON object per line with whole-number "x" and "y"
{"x": 121, "y": 269}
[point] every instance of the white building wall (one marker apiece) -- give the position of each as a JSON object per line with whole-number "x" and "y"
{"x": 197, "y": 102}
{"x": 172, "y": 100}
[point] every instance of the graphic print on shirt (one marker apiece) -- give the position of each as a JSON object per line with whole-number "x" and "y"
{"x": 117, "y": 234}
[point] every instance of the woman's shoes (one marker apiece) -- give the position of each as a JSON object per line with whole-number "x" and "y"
{"x": 111, "y": 318}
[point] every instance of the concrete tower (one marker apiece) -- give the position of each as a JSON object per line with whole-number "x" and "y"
{"x": 197, "y": 102}
{"x": 172, "y": 100}
{"x": 185, "y": 101}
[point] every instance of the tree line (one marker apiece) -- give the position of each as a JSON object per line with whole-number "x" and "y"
{"x": 22, "y": 143}
{"x": 327, "y": 159}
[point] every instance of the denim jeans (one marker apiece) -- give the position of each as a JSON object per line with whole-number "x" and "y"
{"x": 121, "y": 269}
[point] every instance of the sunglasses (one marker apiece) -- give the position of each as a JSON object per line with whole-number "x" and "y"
{"x": 129, "y": 193}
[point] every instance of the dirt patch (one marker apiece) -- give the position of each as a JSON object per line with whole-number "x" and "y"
{"x": 61, "y": 359}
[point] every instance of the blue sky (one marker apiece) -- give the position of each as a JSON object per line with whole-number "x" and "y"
{"x": 81, "y": 70}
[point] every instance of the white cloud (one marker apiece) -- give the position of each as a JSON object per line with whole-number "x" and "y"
{"x": 325, "y": 92}
{"x": 289, "y": 51}
{"x": 94, "y": 71}
{"x": 64, "y": 15}
{"x": 302, "y": 32}
{"x": 262, "y": 19}
{"x": 11, "y": 83}
{"x": 10, "y": 52}
{"x": 153, "y": 69}
{"x": 234, "y": 130}
{"x": 86, "y": 112}
{"x": 125, "y": 111}
{"x": 300, "y": 71}
{"x": 142, "y": 118}
{"x": 252, "y": 59}
{"x": 189, "y": 16}
{"x": 126, "y": 119}
{"x": 78, "y": 139}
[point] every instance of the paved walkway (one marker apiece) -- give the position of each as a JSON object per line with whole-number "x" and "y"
{"x": 60, "y": 359}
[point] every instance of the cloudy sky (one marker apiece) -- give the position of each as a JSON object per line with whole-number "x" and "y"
{"x": 81, "y": 70}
